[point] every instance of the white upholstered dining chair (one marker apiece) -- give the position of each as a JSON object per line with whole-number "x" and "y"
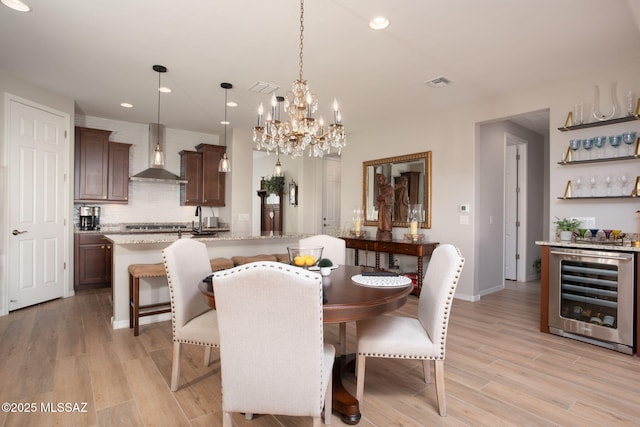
{"x": 334, "y": 247}
{"x": 273, "y": 359}
{"x": 193, "y": 321}
{"x": 423, "y": 338}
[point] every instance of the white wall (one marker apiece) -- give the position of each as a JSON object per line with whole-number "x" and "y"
{"x": 451, "y": 136}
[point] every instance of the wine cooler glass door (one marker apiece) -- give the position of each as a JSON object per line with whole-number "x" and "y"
{"x": 591, "y": 295}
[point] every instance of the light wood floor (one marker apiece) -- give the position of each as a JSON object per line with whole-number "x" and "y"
{"x": 499, "y": 371}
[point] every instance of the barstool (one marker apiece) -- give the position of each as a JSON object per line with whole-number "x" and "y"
{"x": 136, "y": 311}
{"x": 137, "y": 271}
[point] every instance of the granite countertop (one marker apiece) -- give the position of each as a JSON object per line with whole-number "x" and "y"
{"x": 625, "y": 247}
{"x": 149, "y": 228}
{"x": 137, "y": 238}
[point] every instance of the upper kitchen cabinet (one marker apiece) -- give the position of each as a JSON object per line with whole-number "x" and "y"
{"x": 206, "y": 185}
{"x": 102, "y": 167}
{"x": 191, "y": 170}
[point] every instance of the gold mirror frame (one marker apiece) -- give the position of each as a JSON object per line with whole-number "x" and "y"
{"x": 386, "y": 166}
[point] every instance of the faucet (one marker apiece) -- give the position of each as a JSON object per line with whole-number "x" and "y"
{"x": 199, "y": 215}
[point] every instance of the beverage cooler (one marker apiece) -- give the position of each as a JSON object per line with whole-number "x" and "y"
{"x": 591, "y": 297}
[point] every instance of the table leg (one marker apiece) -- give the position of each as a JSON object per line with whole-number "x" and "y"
{"x": 356, "y": 257}
{"x": 343, "y": 402}
{"x": 377, "y": 260}
{"x": 419, "y": 278}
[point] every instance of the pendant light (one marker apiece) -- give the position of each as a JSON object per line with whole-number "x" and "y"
{"x": 225, "y": 163}
{"x": 277, "y": 170}
{"x": 158, "y": 155}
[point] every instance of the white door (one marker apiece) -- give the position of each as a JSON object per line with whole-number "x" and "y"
{"x": 515, "y": 208}
{"x": 38, "y": 153}
{"x": 331, "y": 196}
{"x": 511, "y": 212}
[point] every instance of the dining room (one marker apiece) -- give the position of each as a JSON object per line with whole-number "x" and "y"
{"x": 499, "y": 370}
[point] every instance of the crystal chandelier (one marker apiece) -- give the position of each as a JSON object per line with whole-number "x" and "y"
{"x": 301, "y": 131}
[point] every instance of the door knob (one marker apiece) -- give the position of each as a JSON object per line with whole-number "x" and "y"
{"x": 16, "y": 232}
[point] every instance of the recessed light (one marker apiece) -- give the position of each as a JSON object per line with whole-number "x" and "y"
{"x": 379, "y": 23}
{"x": 225, "y": 123}
{"x": 16, "y": 5}
{"x": 231, "y": 104}
{"x": 164, "y": 89}
{"x": 126, "y": 105}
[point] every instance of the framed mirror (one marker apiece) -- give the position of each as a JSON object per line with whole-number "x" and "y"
{"x": 410, "y": 176}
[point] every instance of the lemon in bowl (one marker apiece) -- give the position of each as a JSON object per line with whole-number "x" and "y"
{"x": 304, "y": 256}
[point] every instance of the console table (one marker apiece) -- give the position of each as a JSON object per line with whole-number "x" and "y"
{"x": 398, "y": 247}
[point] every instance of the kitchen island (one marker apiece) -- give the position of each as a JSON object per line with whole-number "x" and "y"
{"x": 147, "y": 249}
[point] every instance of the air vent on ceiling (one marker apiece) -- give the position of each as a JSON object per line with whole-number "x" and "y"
{"x": 438, "y": 82}
{"x": 263, "y": 87}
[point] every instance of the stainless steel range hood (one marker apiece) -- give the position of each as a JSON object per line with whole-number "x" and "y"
{"x": 156, "y": 173}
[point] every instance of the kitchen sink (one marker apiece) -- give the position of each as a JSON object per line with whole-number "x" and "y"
{"x": 203, "y": 233}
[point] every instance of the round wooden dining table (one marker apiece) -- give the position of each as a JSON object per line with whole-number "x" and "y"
{"x": 346, "y": 301}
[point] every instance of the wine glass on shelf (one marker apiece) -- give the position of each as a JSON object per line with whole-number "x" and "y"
{"x": 593, "y": 183}
{"x": 575, "y": 145}
{"x": 609, "y": 178}
{"x": 587, "y": 144}
{"x": 578, "y": 182}
{"x": 599, "y": 142}
{"x": 629, "y": 138}
{"x": 614, "y": 141}
{"x": 624, "y": 180}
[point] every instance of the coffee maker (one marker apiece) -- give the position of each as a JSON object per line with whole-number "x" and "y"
{"x": 89, "y": 218}
{"x": 86, "y": 218}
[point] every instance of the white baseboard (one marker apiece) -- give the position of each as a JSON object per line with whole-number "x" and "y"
{"x": 122, "y": 324}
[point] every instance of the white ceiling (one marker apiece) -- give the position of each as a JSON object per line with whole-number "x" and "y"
{"x": 100, "y": 53}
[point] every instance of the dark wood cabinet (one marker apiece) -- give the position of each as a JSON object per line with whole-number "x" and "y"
{"x": 93, "y": 260}
{"x": 399, "y": 247}
{"x": 118, "y": 183}
{"x": 191, "y": 170}
{"x": 271, "y": 212}
{"x": 101, "y": 167}
{"x": 206, "y": 185}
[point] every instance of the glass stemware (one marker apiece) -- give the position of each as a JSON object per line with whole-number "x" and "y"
{"x": 624, "y": 179}
{"x": 582, "y": 232}
{"x": 587, "y": 144}
{"x": 615, "y": 141}
{"x": 578, "y": 182}
{"x": 607, "y": 234}
{"x": 629, "y": 138}
{"x": 575, "y": 145}
{"x": 599, "y": 142}
{"x": 594, "y": 232}
{"x": 593, "y": 183}
{"x": 616, "y": 234}
{"x": 608, "y": 182}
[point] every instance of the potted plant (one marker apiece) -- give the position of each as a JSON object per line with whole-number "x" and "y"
{"x": 325, "y": 265}
{"x": 566, "y": 227}
{"x": 274, "y": 185}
